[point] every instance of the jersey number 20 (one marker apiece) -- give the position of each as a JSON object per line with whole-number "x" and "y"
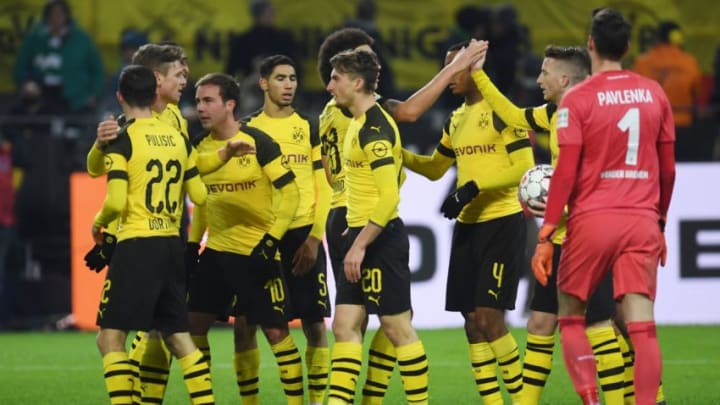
{"x": 173, "y": 170}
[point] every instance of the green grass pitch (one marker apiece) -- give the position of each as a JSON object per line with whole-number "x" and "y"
{"x": 65, "y": 368}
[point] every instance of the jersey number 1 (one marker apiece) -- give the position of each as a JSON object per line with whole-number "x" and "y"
{"x": 631, "y": 122}
{"x": 153, "y": 165}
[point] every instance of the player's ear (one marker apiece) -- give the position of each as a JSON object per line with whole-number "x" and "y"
{"x": 590, "y": 44}
{"x": 263, "y": 84}
{"x": 358, "y": 83}
{"x": 119, "y": 98}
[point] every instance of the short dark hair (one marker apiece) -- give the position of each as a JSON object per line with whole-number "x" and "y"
{"x": 158, "y": 56}
{"x": 340, "y": 40}
{"x": 268, "y": 64}
{"x": 358, "y": 63}
{"x": 137, "y": 85}
{"x": 576, "y": 56}
{"x": 611, "y": 33}
{"x": 664, "y": 30}
{"x": 229, "y": 87}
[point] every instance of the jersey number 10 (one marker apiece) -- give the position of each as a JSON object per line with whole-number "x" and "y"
{"x": 173, "y": 170}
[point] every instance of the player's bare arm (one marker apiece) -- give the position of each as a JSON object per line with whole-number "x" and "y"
{"x": 420, "y": 101}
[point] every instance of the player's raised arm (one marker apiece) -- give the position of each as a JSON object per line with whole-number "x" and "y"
{"x": 420, "y": 101}
{"x": 436, "y": 165}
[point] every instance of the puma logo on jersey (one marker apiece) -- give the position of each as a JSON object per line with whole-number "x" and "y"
{"x": 375, "y": 128}
{"x": 494, "y": 294}
{"x": 322, "y": 303}
{"x": 279, "y": 308}
{"x": 375, "y": 299}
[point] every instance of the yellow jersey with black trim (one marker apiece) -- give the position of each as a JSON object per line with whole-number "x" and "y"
{"x": 299, "y": 142}
{"x": 154, "y": 159}
{"x": 372, "y": 155}
{"x": 481, "y": 144}
{"x": 334, "y": 122}
{"x": 240, "y": 193}
{"x": 540, "y": 119}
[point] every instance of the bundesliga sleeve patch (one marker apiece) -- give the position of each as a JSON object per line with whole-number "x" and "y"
{"x": 563, "y": 115}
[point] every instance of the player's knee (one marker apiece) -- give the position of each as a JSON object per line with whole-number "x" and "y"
{"x": 110, "y": 341}
{"x": 399, "y": 332}
{"x": 491, "y": 323}
{"x": 273, "y": 335}
{"x": 315, "y": 333}
{"x": 542, "y": 323}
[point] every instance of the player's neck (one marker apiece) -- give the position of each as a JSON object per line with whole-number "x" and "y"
{"x": 159, "y": 105}
{"x": 361, "y": 104}
{"x": 277, "y": 111}
{"x": 136, "y": 112}
{"x": 225, "y": 130}
{"x": 604, "y": 65}
{"x": 473, "y": 97}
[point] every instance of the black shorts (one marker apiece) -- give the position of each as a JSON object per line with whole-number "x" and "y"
{"x": 144, "y": 287}
{"x": 486, "y": 260}
{"x": 600, "y": 307}
{"x": 335, "y": 226}
{"x": 232, "y": 283}
{"x": 384, "y": 288}
{"x": 309, "y": 292}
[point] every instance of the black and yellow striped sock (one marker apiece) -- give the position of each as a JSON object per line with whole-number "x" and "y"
{"x": 318, "y": 365}
{"x": 201, "y": 342}
{"x": 154, "y": 370}
{"x": 484, "y": 368}
{"x": 118, "y": 377}
{"x": 629, "y": 372}
{"x": 247, "y": 371}
{"x": 291, "y": 370}
{"x": 345, "y": 361}
{"x": 609, "y": 362}
{"x": 137, "y": 349}
{"x": 660, "y": 398}
{"x": 413, "y": 366}
{"x": 536, "y": 367}
{"x": 381, "y": 362}
{"x": 508, "y": 358}
{"x": 197, "y": 378}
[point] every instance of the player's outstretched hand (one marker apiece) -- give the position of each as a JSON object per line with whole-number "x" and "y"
{"x": 107, "y": 131}
{"x": 99, "y": 256}
{"x": 469, "y": 55}
{"x": 542, "y": 262}
{"x": 456, "y": 201}
{"x": 266, "y": 248}
{"x": 239, "y": 148}
{"x": 536, "y": 208}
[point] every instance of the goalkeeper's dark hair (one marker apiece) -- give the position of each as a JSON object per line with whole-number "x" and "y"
{"x": 610, "y": 32}
{"x": 137, "y": 86}
{"x": 344, "y": 39}
{"x": 358, "y": 64}
{"x": 577, "y": 58}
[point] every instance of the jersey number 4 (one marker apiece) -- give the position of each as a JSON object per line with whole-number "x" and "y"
{"x": 630, "y": 122}
{"x": 170, "y": 173}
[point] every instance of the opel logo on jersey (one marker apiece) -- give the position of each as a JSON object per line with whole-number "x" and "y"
{"x": 108, "y": 163}
{"x": 519, "y": 133}
{"x": 298, "y": 134}
{"x": 379, "y": 149}
{"x": 484, "y": 120}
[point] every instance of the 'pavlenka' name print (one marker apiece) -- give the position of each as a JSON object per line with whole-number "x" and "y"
{"x": 627, "y": 96}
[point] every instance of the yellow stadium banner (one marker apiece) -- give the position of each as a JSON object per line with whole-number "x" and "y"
{"x": 412, "y": 30}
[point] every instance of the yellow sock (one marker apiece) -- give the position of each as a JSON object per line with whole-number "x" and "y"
{"x": 536, "y": 367}
{"x": 508, "y": 358}
{"x": 197, "y": 378}
{"x": 484, "y": 367}
{"x": 201, "y": 342}
{"x": 629, "y": 373}
{"x": 413, "y": 366}
{"x": 609, "y": 361}
{"x": 291, "y": 372}
{"x": 381, "y": 362}
{"x": 346, "y": 361}
{"x": 118, "y": 377}
{"x": 154, "y": 370}
{"x": 137, "y": 349}
{"x": 247, "y": 370}
{"x": 318, "y": 364}
{"x": 660, "y": 395}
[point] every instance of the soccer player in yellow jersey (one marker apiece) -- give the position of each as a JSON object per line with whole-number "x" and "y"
{"x": 301, "y": 251}
{"x": 148, "y": 168}
{"x": 334, "y": 122}
{"x": 562, "y": 68}
{"x": 489, "y": 235}
{"x": 376, "y": 277}
{"x": 251, "y": 201}
{"x": 169, "y": 65}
